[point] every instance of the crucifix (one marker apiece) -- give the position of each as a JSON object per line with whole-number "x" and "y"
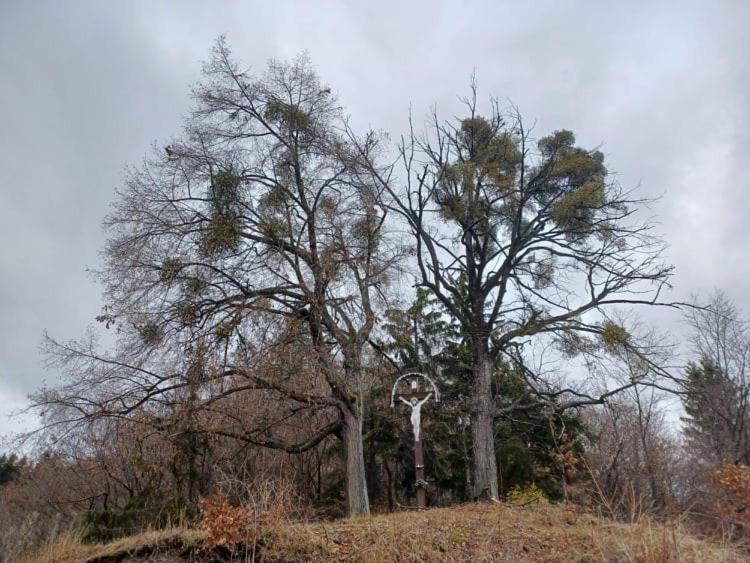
{"x": 414, "y": 390}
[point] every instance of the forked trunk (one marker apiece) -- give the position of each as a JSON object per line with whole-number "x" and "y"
{"x": 483, "y": 427}
{"x": 357, "y": 500}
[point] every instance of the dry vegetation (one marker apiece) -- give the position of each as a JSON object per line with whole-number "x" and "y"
{"x": 162, "y": 545}
{"x": 472, "y": 532}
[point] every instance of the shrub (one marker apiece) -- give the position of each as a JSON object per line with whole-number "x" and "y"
{"x": 526, "y": 494}
{"x": 733, "y": 482}
{"x": 264, "y": 506}
{"x": 101, "y": 526}
{"x": 226, "y": 525}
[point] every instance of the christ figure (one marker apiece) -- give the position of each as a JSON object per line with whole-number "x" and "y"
{"x": 416, "y": 407}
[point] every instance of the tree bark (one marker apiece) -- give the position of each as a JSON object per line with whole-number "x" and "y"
{"x": 358, "y": 502}
{"x": 482, "y": 425}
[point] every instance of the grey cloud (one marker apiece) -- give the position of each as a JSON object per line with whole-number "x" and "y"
{"x": 86, "y": 87}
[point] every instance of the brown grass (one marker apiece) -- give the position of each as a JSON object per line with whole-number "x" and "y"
{"x": 144, "y": 546}
{"x": 472, "y": 532}
{"x": 492, "y": 532}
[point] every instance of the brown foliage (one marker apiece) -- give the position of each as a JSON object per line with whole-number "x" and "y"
{"x": 733, "y": 482}
{"x": 226, "y": 525}
{"x": 230, "y": 526}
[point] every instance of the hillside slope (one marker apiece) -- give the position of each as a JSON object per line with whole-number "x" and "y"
{"x": 475, "y": 532}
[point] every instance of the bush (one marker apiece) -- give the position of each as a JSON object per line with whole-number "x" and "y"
{"x": 733, "y": 482}
{"x": 526, "y": 494}
{"x": 100, "y": 526}
{"x": 264, "y": 505}
{"x": 225, "y": 525}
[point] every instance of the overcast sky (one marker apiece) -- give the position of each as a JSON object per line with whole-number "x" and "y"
{"x": 87, "y": 87}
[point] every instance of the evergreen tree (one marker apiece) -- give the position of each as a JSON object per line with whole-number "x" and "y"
{"x": 533, "y": 442}
{"x": 717, "y": 389}
{"x": 10, "y": 467}
{"x": 715, "y": 421}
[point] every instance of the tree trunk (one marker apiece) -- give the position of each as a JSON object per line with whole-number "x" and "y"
{"x": 391, "y": 486}
{"x": 358, "y": 502}
{"x": 372, "y": 475}
{"x": 482, "y": 425}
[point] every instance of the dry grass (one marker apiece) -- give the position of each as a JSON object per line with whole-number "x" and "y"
{"x": 475, "y": 532}
{"x": 492, "y": 532}
{"x": 145, "y": 546}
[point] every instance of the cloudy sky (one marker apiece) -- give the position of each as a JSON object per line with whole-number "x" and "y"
{"x": 87, "y": 87}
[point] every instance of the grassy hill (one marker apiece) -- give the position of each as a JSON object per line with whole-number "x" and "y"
{"x": 473, "y": 532}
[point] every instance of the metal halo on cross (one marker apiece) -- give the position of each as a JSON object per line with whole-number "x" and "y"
{"x": 414, "y": 375}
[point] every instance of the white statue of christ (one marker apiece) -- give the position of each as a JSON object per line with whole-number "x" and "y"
{"x": 416, "y": 407}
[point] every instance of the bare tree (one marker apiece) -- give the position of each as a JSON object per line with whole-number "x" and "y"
{"x": 520, "y": 241}
{"x": 252, "y": 230}
{"x": 633, "y": 458}
{"x": 717, "y": 387}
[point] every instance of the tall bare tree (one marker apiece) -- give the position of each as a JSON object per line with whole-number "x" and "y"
{"x": 520, "y": 241}
{"x": 253, "y": 228}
